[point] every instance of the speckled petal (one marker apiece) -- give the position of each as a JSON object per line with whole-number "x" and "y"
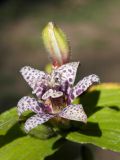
{"x": 39, "y": 88}
{"x": 28, "y": 103}
{"x": 52, "y": 93}
{"x": 47, "y": 94}
{"x": 56, "y": 94}
{"x": 83, "y": 85}
{"x": 31, "y": 75}
{"x": 35, "y": 120}
{"x": 68, "y": 72}
{"x": 74, "y": 112}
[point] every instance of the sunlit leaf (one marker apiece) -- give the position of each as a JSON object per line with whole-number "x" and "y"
{"x": 27, "y": 148}
{"x": 16, "y": 145}
{"x": 7, "y": 120}
{"x": 102, "y": 105}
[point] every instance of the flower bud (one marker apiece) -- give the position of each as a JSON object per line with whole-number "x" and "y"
{"x": 56, "y": 43}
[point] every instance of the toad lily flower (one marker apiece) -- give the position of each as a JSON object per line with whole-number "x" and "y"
{"x": 55, "y": 93}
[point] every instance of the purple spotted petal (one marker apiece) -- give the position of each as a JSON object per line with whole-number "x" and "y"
{"x": 31, "y": 75}
{"x": 68, "y": 72}
{"x": 47, "y": 94}
{"x": 28, "y": 103}
{"x": 35, "y": 120}
{"x": 56, "y": 94}
{"x": 39, "y": 88}
{"x": 83, "y": 85}
{"x": 52, "y": 93}
{"x": 74, "y": 112}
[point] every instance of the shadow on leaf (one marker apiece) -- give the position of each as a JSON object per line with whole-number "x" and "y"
{"x": 90, "y": 129}
{"x": 89, "y": 101}
{"x": 116, "y": 108}
{"x": 13, "y": 133}
{"x": 70, "y": 150}
{"x": 66, "y": 150}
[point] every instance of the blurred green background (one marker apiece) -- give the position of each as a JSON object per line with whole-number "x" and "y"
{"x": 92, "y": 27}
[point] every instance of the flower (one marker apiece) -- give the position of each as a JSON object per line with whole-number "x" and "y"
{"x": 55, "y": 93}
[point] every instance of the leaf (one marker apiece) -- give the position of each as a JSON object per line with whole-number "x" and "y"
{"x": 102, "y": 105}
{"x": 7, "y": 120}
{"x": 109, "y": 94}
{"x": 27, "y": 148}
{"x": 16, "y": 145}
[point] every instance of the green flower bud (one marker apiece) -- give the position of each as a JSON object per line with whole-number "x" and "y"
{"x": 56, "y": 43}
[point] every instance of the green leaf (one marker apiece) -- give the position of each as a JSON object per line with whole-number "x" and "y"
{"x": 102, "y": 105}
{"x": 105, "y": 95}
{"x": 27, "y": 148}
{"x": 16, "y": 145}
{"x": 7, "y": 120}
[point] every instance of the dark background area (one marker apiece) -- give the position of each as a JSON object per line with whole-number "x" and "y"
{"x": 92, "y": 27}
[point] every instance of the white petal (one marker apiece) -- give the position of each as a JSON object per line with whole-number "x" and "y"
{"x": 56, "y": 94}
{"x": 35, "y": 120}
{"x": 83, "y": 85}
{"x": 52, "y": 93}
{"x": 74, "y": 112}
{"x": 38, "y": 90}
{"x": 28, "y": 103}
{"x": 47, "y": 94}
{"x": 31, "y": 75}
{"x": 68, "y": 72}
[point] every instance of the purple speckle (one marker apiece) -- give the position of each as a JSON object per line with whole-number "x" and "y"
{"x": 38, "y": 108}
{"x": 70, "y": 79}
{"x": 72, "y": 96}
{"x": 78, "y": 92}
{"x": 64, "y": 71}
{"x": 41, "y": 104}
{"x": 69, "y": 70}
{"x": 68, "y": 100}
